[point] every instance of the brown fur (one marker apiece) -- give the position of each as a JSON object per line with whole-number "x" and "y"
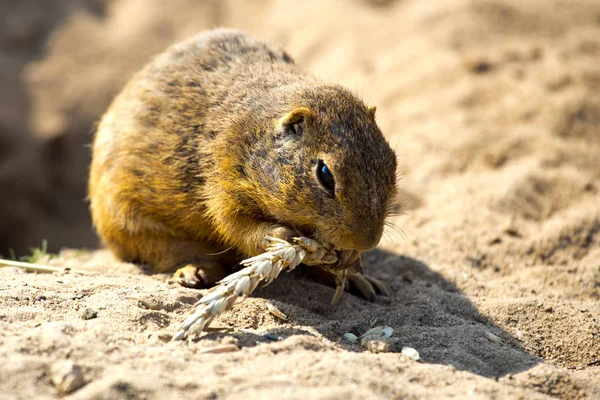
{"x": 196, "y": 156}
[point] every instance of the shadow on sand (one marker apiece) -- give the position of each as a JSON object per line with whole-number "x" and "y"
{"x": 428, "y": 313}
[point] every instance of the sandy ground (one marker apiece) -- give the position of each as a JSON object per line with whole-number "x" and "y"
{"x": 494, "y": 110}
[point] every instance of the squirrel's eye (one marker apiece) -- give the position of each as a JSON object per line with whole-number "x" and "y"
{"x": 325, "y": 178}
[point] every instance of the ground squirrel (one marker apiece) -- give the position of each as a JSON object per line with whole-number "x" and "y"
{"x": 222, "y": 141}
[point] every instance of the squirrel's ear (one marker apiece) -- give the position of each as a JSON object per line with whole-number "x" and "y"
{"x": 372, "y": 110}
{"x": 296, "y": 120}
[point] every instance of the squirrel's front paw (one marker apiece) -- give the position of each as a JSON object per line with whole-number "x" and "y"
{"x": 280, "y": 232}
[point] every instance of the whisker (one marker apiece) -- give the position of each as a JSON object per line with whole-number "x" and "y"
{"x": 221, "y": 252}
{"x": 385, "y": 237}
{"x": 396, "y": 207}
{"x": 388, "y": 237}
{"x": 397, "y": 230}
{"x": 396, "y": 214}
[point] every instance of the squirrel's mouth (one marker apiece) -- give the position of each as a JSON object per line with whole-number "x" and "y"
{"x": 349, "y": 259}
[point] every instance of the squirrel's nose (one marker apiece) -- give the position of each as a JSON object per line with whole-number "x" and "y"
{"x": 367, "y": 240}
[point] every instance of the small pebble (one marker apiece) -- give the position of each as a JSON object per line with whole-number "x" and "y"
{"x": 89, "y": 313}
{"x": 378, "y": 339}
{"x": 411, "y": 353}
{"x": 66, "y": 376}
{"x": 376, "y": 346}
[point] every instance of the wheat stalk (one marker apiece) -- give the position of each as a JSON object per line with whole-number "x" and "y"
{"x": 39, "y": 268}
{"x": 266, "y": 267}
{"x": 30, "y": 267}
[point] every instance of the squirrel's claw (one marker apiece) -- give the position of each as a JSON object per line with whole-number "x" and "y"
{"x": 310, "y": 245}
{"x": 369, "y": 287}
{"x": 187, "y": 277}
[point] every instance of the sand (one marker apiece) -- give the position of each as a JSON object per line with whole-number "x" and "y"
{"x": 494, "y": 110}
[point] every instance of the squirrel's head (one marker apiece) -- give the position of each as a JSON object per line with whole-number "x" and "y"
{"x": 330, "y": 171}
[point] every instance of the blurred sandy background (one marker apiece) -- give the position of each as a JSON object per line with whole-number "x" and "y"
{"x": 494, "y": 109}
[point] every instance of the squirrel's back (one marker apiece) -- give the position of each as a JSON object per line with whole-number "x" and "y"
{"x": 154, "y": 147}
